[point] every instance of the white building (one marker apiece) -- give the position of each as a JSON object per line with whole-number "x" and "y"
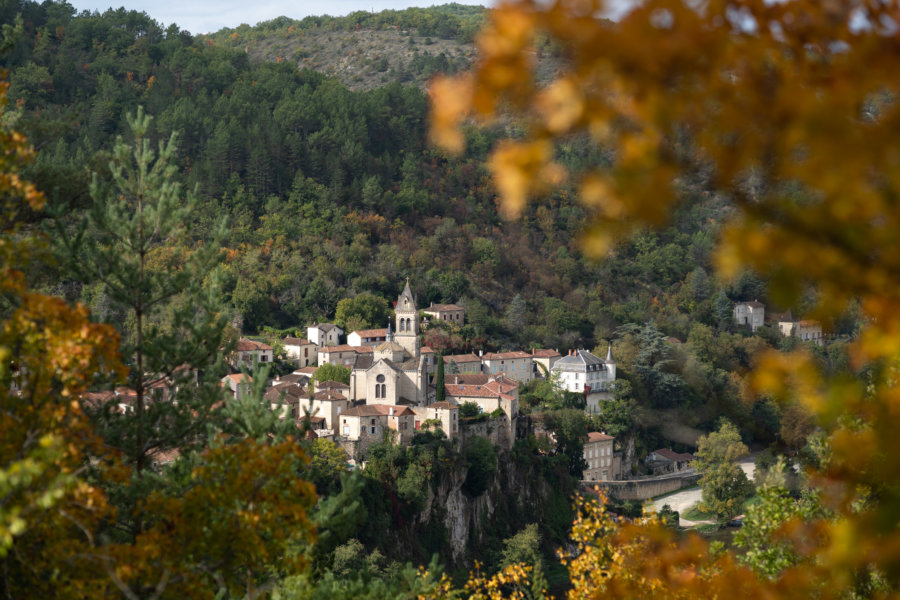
{"x": 750, "y": 313}
{"x": 581, "y": 371}
{"x": 324, "y": 334}
{"x": 367, "y": 337}
{"x": 300, "y": 350}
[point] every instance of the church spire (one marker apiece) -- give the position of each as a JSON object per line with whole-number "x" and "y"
{"x": 609, "y": 357}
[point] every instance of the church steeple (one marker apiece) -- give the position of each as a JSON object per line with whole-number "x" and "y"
{"x": 407, "y": 319}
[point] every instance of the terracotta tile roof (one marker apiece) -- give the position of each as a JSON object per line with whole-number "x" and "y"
{"x": 306, "y": 371}
{"x": 295, "y": 341}
{"x": 370, "y": 332}
{"x": 442, "y": 307}
{"x": 596, "y": 436}
{"x": 239, "y": 377}
{"x": 331, "y": 385}
{"x": 809, "y": 323}
{"x": 443, "y": 405}
{"x": 467, "y": 378}
{"x": 544, "y": 353}
{"x": 426, "y": 350}
{"x": 300, "y": 378}
{"x": 329, "y": 396}
{"x": 461, "y": 358}
{"x": 247, "y": 345}
{"x": 505, "y": 355}
{"x": 377, "y": 410}
{"x": 470, "y": 391}
{"x": 346, "y": 348}
{"x": 670, "y": 454}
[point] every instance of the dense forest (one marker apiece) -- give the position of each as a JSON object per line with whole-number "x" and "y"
{"x": 327, "y": 193}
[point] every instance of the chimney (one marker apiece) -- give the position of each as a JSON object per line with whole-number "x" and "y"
{"x": 456, "y": 379}
{"x": 480, "y": 353}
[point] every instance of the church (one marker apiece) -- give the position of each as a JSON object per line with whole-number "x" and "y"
{"x": 396, "y": 372}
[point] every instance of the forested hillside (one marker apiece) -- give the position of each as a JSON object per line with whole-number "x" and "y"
{"x": 329, "y": 192}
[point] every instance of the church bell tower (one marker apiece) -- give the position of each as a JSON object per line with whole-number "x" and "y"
{"x": 406, "y": 332}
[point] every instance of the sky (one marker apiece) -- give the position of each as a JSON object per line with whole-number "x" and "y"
{"x": 207, "y": 16}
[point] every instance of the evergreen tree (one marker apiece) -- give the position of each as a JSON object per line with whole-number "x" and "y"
{"x": 133, "y": 242}
{"x": 723, "y": 312}
{"x": 440, "y": 394}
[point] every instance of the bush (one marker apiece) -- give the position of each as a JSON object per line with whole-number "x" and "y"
{"x": 481, "y": 460}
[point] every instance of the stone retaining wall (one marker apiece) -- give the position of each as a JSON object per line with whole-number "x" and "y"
{"x": 648, "y": 487}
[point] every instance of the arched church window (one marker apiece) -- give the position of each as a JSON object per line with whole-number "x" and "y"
{"x": 383, "y": 391}
{"x": 402, "y": 325}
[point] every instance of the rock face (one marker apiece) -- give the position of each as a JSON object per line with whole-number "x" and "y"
{"x": 513, "y": 489}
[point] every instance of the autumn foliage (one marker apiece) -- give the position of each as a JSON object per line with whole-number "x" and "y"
{"x": 789, "y": 110}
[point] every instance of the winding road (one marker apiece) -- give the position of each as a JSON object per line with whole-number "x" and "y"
{"x": 684, "y": 500}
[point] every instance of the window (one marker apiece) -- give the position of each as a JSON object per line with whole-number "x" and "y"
{"x": 373, "y": 421}
{"x": 263, "y": 358}
{"x": 305, "y": 352}
{"x": 373, "y": 430}
{"x": 346, "y": 430}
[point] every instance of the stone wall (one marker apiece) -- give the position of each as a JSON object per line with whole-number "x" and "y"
{"x": 495, "y": 429}
{"x": 648, "y": 487}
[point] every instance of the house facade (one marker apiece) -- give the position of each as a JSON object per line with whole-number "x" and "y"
{"x": 805, "y": 329}
{"x": 301, "y": 351}
{"x": 516, "y": 365}
{"x": 238, "y": 384}
{"x": 367, "y": 337}
{"x": 445, "y": 413}
{"x": 247, "y": 351}
{"x": 751, "y": 314}
{"x": 602, "y": 463}
{"x": 452, "y": 313}
{"x": 581, "y": 371}
{"x": 344, "y": 355}
{"x": 324, "y": 334}
{"x": 462, "y": 363}
{"x": 543, "y": 360}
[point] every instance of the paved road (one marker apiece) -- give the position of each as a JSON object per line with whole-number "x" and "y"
{"x": 685, "y": 499}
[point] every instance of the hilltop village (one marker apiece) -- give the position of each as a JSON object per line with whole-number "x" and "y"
{"x": 392, "y": 390}
{"x": 392, "y": 384}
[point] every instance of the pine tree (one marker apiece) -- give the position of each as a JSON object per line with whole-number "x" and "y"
{"x": 440, "y": 393}
{"x": 134, "y": 242}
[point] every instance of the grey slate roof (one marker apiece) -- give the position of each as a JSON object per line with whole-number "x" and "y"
{"x": 580, "y": 361}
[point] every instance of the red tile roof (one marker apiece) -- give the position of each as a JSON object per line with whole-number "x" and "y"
{"x": 596, "y": 436}
{"x": 347, "y": 348}
{"x": 461, "y": 358}
{"x": 295, "y": 341}
{"x": 672, "y": 455}
{"x": 505, "y": 355}
{"x": 371, "y": 333}
{"x": 443, "y": 405}
{"x": 246, "y": 345}
{"x": 332, "y": 385}
{"x": 544, "y": 353}
{"x": 377, "y": 410}
{"x": 239, "y": 377}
